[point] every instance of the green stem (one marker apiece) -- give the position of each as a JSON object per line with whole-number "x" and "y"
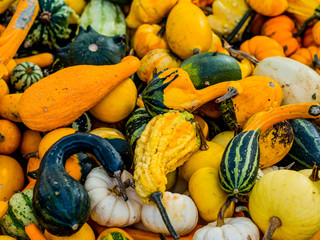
{"x": 275, "y": 222}
{"x": 156, "y": 197}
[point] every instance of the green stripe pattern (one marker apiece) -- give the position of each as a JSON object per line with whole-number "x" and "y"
{"x": 24, "y": 75}
{"x": 306, "y": 144}
{"x": 240, "y": 163}
{"x": 228, "y": 114}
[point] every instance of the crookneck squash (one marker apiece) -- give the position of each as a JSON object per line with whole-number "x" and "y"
{"x": 56, "y": 190}
{"x": 76, "y": 88}
{"x": 51, "y": 24}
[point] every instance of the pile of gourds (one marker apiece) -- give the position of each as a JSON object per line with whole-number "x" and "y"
{"x": 149, "y": 119}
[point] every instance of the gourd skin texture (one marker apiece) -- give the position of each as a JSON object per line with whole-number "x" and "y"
{"x": 290, "y": 196}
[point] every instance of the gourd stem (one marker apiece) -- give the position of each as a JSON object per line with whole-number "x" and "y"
{"x": 239, "y": 55}
{"x": 1, "y": 138}
{"x": 31, "y": 155}
{"x": 156, "y": 197}
{"x": 33, "y": 174}
{"x": 203, "y": 143}
{"x": 289, "y": 166}
{"x": 314, "y": 177}
{"x": 196, "y": 51}
{"x": 305, "y": 25}
{"x": 239, "y": 25}
{"x": 223, "y": 209}
{"x": 316, "y": 62}
{"x": 232, "y": 92}
{"x": 129, "y": 183}
{"x": 244, "y": 210}
{"x": 161, "y": 31}
{"x": 275, "y": 222}
{"x": 117, "y": 175}
{"x": 207, "y": 10}
{"x": 161, "y": 236}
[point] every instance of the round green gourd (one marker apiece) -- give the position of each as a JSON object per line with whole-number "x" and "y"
{"x": 19, "y": 214}
{"x": 24, "y": 75}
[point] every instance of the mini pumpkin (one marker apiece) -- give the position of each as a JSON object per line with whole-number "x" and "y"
{"x": 269, "y": 8}
{"x": 10, "y": 137}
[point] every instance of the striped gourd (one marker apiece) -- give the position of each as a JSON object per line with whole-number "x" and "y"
{"x": 24, "y": 75}
{"x": 19, "y": 214}
{"x": 306, "y": 144}
{"x": 82, "y": 123}
{"x": 104, "y": 17}
{"x": 240, "y": 162}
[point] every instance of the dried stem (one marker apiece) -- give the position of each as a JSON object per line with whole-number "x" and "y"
{"x": 275, "y": 222}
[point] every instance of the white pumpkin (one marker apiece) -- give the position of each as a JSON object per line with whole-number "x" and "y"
{"x": 108, "y": 207}
{"x": 181, "y": 210}
{"x": 238, "y": 228}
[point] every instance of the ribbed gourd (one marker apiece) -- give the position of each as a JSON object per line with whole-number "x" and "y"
{"x": 156, "y": 156}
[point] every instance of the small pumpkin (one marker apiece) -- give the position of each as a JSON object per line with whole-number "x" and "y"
{"x": 149, "y": 37}
{"x": 10, "y": 137}
{"x": 262, "y": 47}
{"x": 308, "y": 56}
{"x": 308, "y": 39}
{"x": 269, "y": 8}
{"x": 24, "y": 75}
{"x": 30, "y": 141}
{"x": 114, "y": 234}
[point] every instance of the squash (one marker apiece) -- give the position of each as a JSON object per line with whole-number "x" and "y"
{"x": 76, "y": 5}
{"x": 64, "y": 86}
{"x": 149, "y": 37}
{"x": 202, "y": 3}
{"x": 10, "y": 137}
{"x": 223, "y": 138}
{"x": 302, "y": 10}
{"x": 9, "y": 107}
{"x": 299, "y": 82}
{"x": 262, "y": 47}
{"x": 4, "y": 89}
{"x": 93, "y": 49}
{"x": 316, "y": 32}
{"x": 34, "y": 232}
{"x": 118, "y": 104}
{"x": 114, "y": 234}
{"x": 269, "y": 8}
{"x": 51, "y": 24}
{"x": 24, "y": 75}
{"x": 283, "y": 218}
{"x": 16, "y": 31}
{"x": 11, "y": 177}
{"x": 85, "y": 233}
{"x": 108, "y": 208}
{"x": 207, "y": 194}
{"x": 19, "y": 214}
{"x": 308, "y": 56}
{"x": 206, "y": 69}
{"x": 82, "y": 123}
{"x": 282, "y": 28}
{"x": 312, "y": 174}
{"x": 307, "y": 38}
{"x": 5, "y": 5}
{"x": 4, "y": 237}
{"x": 155, "y": 61}
{"x": 187, "y": 29}
{"x": 182, "y": 212}
{"x": 149, "y": 11}
{"x": 242, "y": 153}
{"x": 10, "y": 66}
{"x": 64, "y": 192}
{"x": 43, "y": 60}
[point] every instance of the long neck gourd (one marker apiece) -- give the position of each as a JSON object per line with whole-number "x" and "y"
{"x": 61, "y": 204}
{"x": 240, "y": 162}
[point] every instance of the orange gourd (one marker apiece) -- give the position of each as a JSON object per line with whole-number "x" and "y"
{"x": 10, "y": 66}
{"x": 262, "y": 47}
{"x": 4, "y": 89}
{"x": 202, "y": 3}
{"x": 60, "y": 98}
{"x": 30, "y": 141}
{"x": 308, "y": 39}
{"x": 41, "y": 59}
{"x": 3, "y": 208}
{"x": 16, "y": 31}
{"x": 269, "y": 8}
{"x": 109, "y": 234}
{"x": 9, "y": 107}
{"x": 10, "y": 137}
{"x": 316, "y": 32}
{"x": 33, "y": 164}
{"x": 85, "y": 233}
{"x": 149, "y": 37}
{"x": 308, "y": 56}
{"x": 33, "y": 232}
{"x": 281, "y": 29}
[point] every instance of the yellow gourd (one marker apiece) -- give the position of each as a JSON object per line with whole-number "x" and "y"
{"x": 223, "y": 138}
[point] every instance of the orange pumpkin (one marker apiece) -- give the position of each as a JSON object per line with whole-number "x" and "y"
{"x": 10, "y": 137}
{"x": 308, "y": 39}
{"x": 262, "y": 47}
{"x": 269, "y": 8}
{"x": 256, "y": 24}
{"x": 30, "y": 141}
{"x": 147, "y": 38}
{"x": 316, "y": 32}
{"x": 281, "y": 29}
{"x": 308, "y": 56}
{"x": 111, "y": 233}
{"x": 4, "y": 89}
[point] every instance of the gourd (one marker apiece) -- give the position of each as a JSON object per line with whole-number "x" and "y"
{"x": 82, "y": 123}
{"x": 30, "y": 141}
{"x": 85, "y": 233}
{"x": 41, "y": 59}
{"x": 242, "y": 153}
{"x": 187, "y": 30}
{"x": 206, "y": 69}
{"x": 114, "y": 234}
{"x": 149, "y": 37}
{"x": 156, "y": 60}
{"x": 149, "y": 11}
{"x": 51, "y": 24}
{"x": 308, "y": 56}
{"x": 278, "y": 221}
{"x": 5, "y": 5}
{"x": 135, "y": 125}
{"x": 65, "y": 86}
{"x": 104, "y": 17}
{"x": 303, "y": 10}
{"x": 269, "y": 8}
{"x": 19, "y": 214}
{"x": 315, "y": 32}
{"x": 64, "y": 192}
{"x": 108, "y": 208}
{"x": 207, "y": 194}
{"x": 4, "y": 89}
{"x": 10, "y": 137}
{"x": 282, "y": 28}
{"x": 24, "y": 75}
{"x": 299, "y": 82}
{"x": 182, "y": 212}
{"x": 92, "y": 48}
{"x": 9, "y": 107}
{"x": 118, "y": 104}
{"x": 223, "y": 138}
{"x": 158, "y": 156}
{"x": 16, "y": 31}
{"x": 262, "y": 47}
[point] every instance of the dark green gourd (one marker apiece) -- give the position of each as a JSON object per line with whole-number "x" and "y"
{"x": 91, "y": 48}
{"x": 61, "y": 204}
